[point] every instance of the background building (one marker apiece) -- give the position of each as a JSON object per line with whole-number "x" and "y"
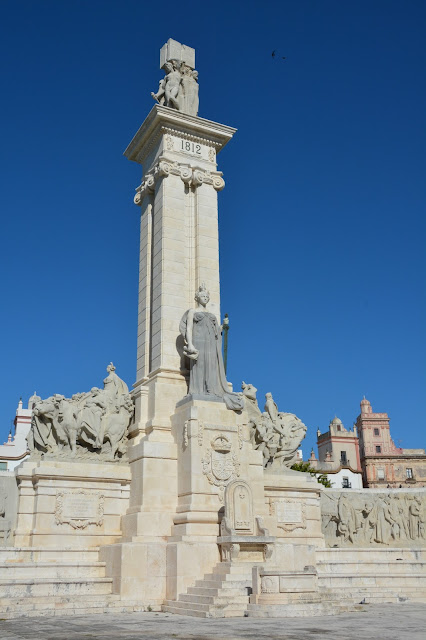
{"x": 384, "y": 464}
{"x": 14, "y": 450}
{"x": 338, "y": 456}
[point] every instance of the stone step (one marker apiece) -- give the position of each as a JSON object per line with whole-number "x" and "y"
{"x": 214, "y": 600}
{"x": 290, "y": 610}
{"x": 61, "y": 570}
{"x": 229, "y": 568}
{"x": 37, "y": 554}
{"x": 239, "y": 577}
{"x": 199, "y": 612}
{"x": 170, "y": 608}
{"x": 207, "y": 591}
{"x": 15, "y": 608}
{"x": 372, "y": 567}
{"x": 223, "y": 584}
{"x": 53, "y": 587}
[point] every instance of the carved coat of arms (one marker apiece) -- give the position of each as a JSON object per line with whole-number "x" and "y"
{"x": 220, "y": 463}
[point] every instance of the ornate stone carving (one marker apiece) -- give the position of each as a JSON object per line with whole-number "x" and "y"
{"x": 203, "y": 347}
{"x": 220, "y": 463}
{"x": 369, "y": 518}
{"x": 185, "y": 435}
{"x": 79, "y": 508}
{"x": 200, "y": 434}
{"x": 278, "y": 435}
{"x": 239, "y": 526}
{"x": 191, "y": 176}
{"x": 88, "y": 425}
{"x": 179, "y": 87}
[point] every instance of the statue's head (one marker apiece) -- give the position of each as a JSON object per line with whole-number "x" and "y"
{"x": 202, "y": 296}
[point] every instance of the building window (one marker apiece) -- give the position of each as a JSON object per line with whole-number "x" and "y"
{"x": 3, "y": 466}
{"x": 343, "y": 458}
{"x": 409, "y": 474}
{"x": 345, "y": 483}
{"x": 380, "y": 474}
{"x": 376, "y": 432}
{"x": 378, "y": 448}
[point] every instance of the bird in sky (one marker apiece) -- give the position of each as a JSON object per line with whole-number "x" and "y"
{"x": 274, "y": 55}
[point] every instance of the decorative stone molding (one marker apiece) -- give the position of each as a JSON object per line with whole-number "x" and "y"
{"x": 191, "y": 176}
{"x": 79, "y": 508}
{"x": 200, "y": 434}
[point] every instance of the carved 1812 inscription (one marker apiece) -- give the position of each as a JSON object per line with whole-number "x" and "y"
{"x": 190, "y": 147}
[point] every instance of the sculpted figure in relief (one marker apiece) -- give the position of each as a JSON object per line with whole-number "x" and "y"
{"x": 276, "y": 434}
{"x": 367, "y": 518}
{"x": 94, "y": 423}
{"x": 203, "y": 347}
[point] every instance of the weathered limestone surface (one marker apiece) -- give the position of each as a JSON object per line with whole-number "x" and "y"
{"x": 8, "y": 507}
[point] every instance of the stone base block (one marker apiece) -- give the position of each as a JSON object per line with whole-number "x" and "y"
{"x": 70, "y": 504}
{"x": 188, "y": 562}
{"x": 137, "y": 569}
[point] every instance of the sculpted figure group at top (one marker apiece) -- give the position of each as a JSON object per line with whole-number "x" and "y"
{"x": 94, "y": 422}
{"x": 179, "y": 88}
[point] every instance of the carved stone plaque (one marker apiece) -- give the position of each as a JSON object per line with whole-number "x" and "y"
{"x": 79, "y": 508}
{"x": 290, "y": 514}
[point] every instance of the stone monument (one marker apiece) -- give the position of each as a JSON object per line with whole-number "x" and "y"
{"x": 181, "y": 489}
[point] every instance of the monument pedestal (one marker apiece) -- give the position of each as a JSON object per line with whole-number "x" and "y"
{"x": 213, "y": 449}
{"x": 70, "y": 504}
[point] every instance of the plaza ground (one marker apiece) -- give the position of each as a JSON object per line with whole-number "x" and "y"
{"x": 378, "y": 622}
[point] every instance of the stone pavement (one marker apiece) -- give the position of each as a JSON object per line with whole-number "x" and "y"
{"x": 378, "y": 622}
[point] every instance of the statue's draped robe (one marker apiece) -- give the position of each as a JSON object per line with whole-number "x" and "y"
{"x": 207, "y": 373}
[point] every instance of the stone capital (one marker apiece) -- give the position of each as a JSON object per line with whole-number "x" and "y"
{"x": 191, "y": 176}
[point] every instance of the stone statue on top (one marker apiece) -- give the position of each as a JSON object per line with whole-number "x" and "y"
{"x": 179, "y": 87}
{"x": 87, "y": 425}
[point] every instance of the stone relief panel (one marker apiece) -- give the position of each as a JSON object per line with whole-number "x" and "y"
{"x": 276, "y": 434}
{"x": 220, "y": 463}
{"x": 369, "y": 517}
{"x": 88, "y": 425}
{"x": 79, "y": 508}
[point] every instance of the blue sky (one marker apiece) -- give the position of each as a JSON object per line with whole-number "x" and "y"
{"x": 322, "y": 226}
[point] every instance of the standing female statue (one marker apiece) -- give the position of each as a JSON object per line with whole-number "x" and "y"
{"x": 203, "y": 346}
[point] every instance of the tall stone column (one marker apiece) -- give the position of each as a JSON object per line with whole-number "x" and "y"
{"x": 179, "y": 249}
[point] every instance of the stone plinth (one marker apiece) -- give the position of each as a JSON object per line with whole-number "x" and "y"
{"x": 70, "y": 504}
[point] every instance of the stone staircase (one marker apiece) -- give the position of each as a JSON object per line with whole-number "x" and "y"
{"x": 224, "y": 593}
{"x": 370, "y": 576}
{"x": 37, "y": 582}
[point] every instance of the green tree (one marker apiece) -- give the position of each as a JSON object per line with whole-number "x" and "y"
{"x": 305, "y": 467}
